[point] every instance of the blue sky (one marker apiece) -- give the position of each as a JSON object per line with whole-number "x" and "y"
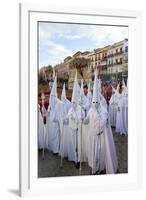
{"x": 57, "y": 41}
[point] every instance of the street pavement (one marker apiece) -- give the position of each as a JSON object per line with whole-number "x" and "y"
{"x": 50, "y": 166}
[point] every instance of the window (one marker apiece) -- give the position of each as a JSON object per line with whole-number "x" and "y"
{"x": 126, "y": 49}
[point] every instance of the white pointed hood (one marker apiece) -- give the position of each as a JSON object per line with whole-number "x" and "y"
{"x": 95, "y": 88}
{"x": 89, "y": 87}
{"x": 123, "y": 84}
{"x": 118, "y": 87}
{"x": 89, "y": 94}
{"x": 99, "y": 85}
{"x": 124, "y": 88}
{"x": 76, "y": 91}
{"x": 54, "y": 88}
{"x": 53, "y": 95}
{"x": 82, "y": 88}
{"x": 82, "y": 85}
{"x": 63, "y": 95}
{"x": 127, "y": 87}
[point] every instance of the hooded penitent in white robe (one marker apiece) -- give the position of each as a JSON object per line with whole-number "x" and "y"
{"x": 76, "y": 134}
{"x": 101, "y": 147}
{"x": 54, "y": 113}
{"x": 75, "y": 146}
{"x": 95, "y": 150}
{"x": 57, "y": 117}
{"x": 122, "y": 114}
{"x": 40, "y": 130}
{"x": 64, "y": 99}
{"x": 113, "y": 107}
{"x": 126, "y": 108}
{"x": 125, "y": 121}
{"x": 125, "y": 94}
{"x": 65, "y": 129}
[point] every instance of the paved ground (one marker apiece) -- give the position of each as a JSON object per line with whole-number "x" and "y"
{"x": 50, "y": 166}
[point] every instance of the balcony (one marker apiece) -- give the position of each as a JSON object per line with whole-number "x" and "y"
{"x": 125, "y": 61}
{"x": 102, "y": 67}
{"x": 118, "y": 53}
{"x": 104, "y": 58}
{"x": 118, "y": 63}
{"x": 110, "y": 65}
{"x": 110, "y": 55}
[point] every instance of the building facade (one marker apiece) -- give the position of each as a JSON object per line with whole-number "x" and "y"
{"x": 111, "y": 61}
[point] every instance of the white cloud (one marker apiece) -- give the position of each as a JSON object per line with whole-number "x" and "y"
{"x": 51, "y": 52}
{"x": 72, "y": 37}
{"x": 55, "y": 53}
{"x": 74, "y": 31}
{"x": 103, "y": 35}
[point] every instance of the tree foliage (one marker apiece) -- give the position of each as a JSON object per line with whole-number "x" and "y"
{"x": 79, "y": 63}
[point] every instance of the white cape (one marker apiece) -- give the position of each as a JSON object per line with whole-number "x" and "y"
{"x": 122, "y": 116}
{"x": 65, "y": 130}
{"x": 113, "y": 108}
{"x": 54, "y": 127}
{"x": 101, "y": 147}
{"x": 77, "y": 136}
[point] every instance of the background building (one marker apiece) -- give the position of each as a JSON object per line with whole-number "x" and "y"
{"x": 111, "y": 62}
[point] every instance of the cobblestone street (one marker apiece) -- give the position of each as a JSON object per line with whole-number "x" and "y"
{"x": 50, "y": 166}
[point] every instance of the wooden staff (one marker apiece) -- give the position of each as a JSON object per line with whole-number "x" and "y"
{"x": 80, "y": 169}
{"x": 44, "y": 128}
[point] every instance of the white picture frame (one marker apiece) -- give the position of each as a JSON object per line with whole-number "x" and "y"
{"x": 29, "y": 184}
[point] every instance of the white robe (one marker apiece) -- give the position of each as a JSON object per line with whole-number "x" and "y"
{"x": 122, "y": 116}
{"x": 89, "y": 96}
{"x": 113, "y": 108}
{"x": 103, "y": 102}
{"x": 40, "y": 131}
{"x": 95, "y": 145}
{"x": 54, "y": 128}
{"x": 84, "y": 102}
{"x": 65, "y": 130}
{"x": 77, "y": 138}
{"x": 126, "y": 115}
{"x": 101, "y": 147}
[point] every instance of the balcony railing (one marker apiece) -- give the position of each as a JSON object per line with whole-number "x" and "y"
{"x": 115, "y": 54}
{"x": 110, "y": 65}
{"x": 104, "y": 58}
{"x": 118, "y": 53}
{"x": 102, "y": 67}
{"x": 118, "y": 63}
{"x": 110, "y": 55}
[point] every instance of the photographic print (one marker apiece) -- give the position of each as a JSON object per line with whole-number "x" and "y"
{"x": 82, "y": 99}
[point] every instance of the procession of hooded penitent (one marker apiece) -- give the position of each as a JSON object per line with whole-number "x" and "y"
{"x": 80, "y": 130}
